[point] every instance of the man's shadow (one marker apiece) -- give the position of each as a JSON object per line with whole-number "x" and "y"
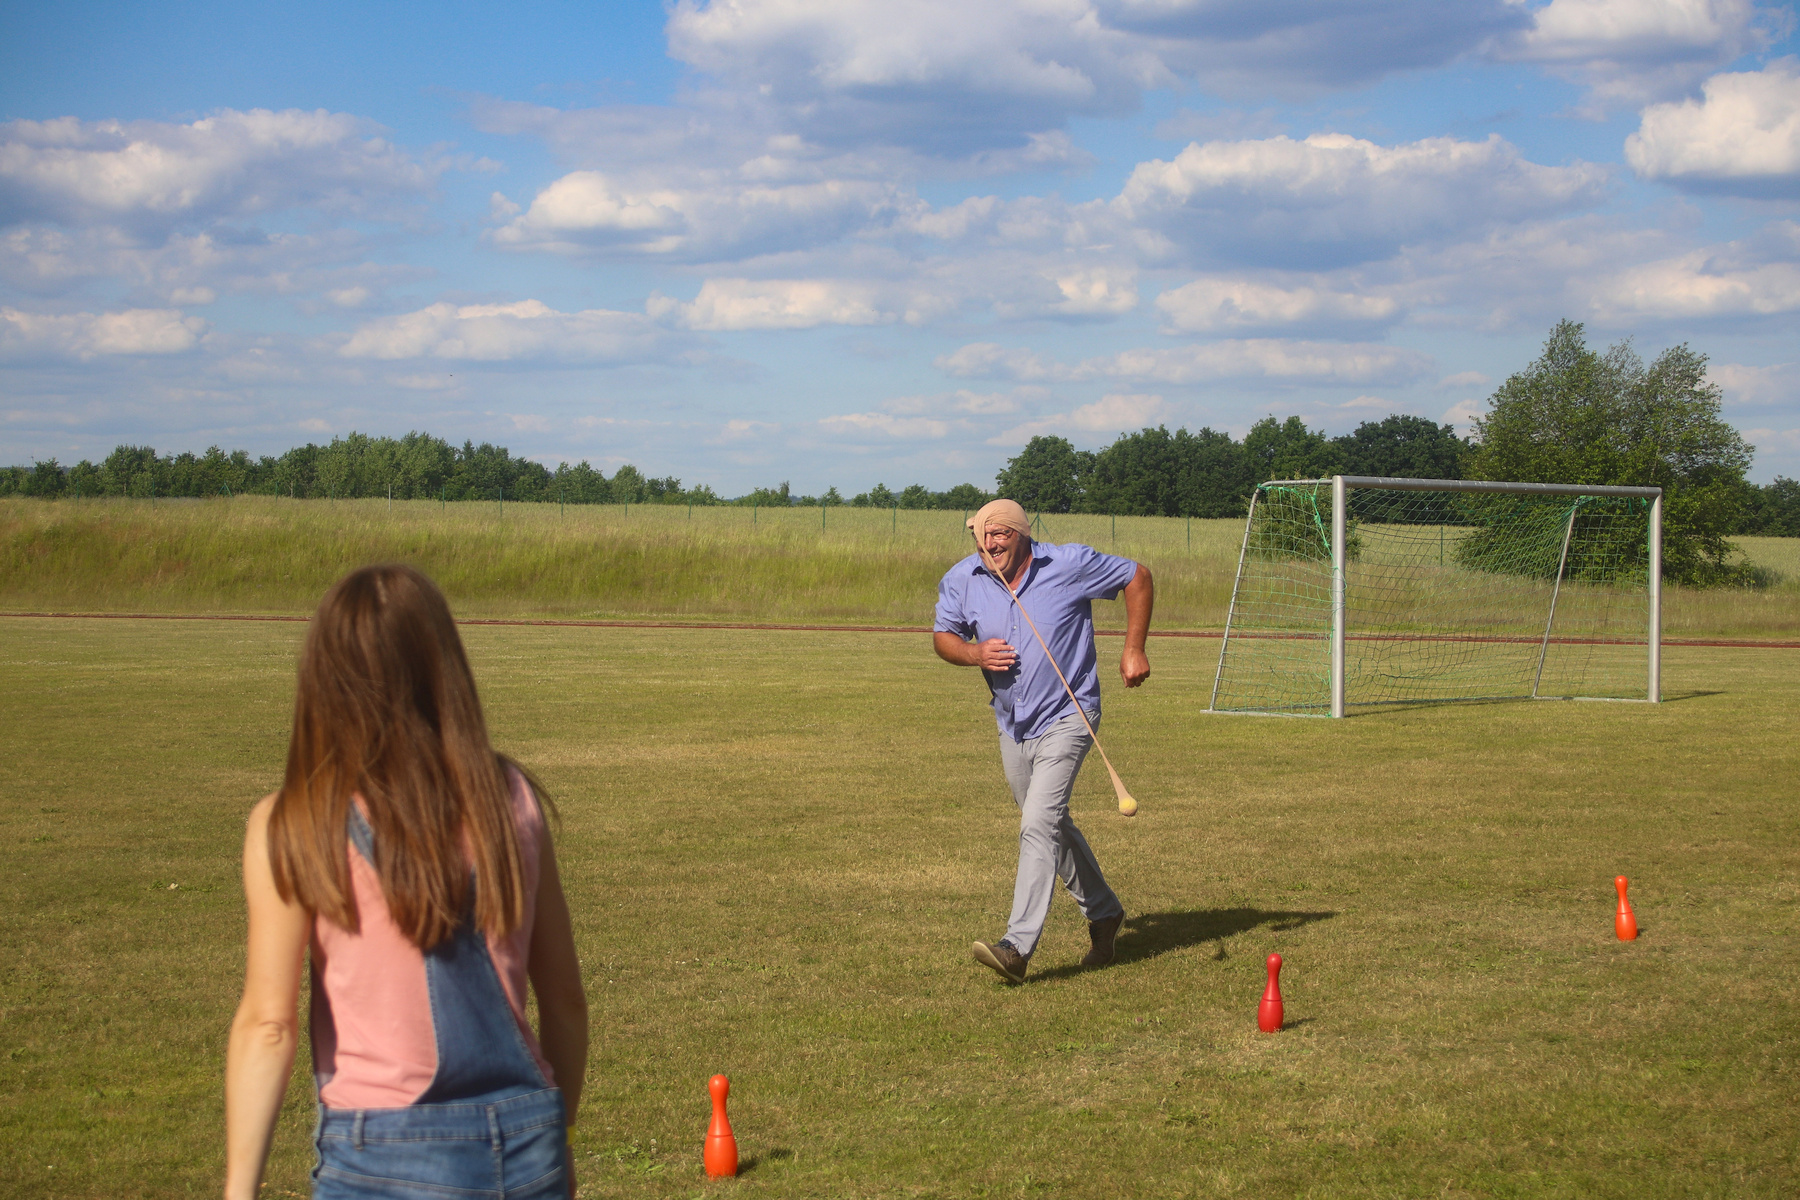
{"x": 1150, "y": 934}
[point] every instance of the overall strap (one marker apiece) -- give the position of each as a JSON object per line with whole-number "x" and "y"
{"x": 481, "y": 1054}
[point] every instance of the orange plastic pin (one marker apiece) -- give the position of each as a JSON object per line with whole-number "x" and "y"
{"x": 720, "y": 1155}
{"x": 1268, "y": 1013}
{"x": 1625, "y": 921}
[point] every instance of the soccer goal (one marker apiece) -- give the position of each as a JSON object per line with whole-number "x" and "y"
{"x": 1356, "y": 591}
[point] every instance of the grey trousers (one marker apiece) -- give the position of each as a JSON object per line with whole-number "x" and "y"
{"x": 1041, "y": 772}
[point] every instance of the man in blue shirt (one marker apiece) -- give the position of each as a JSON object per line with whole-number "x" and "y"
{"x": 1042, "y": 738}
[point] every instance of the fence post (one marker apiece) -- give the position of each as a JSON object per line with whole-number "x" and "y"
{"x": 753, "y": 512}
{"x": 500, "y": 496}
{"x": 896, "y": 528}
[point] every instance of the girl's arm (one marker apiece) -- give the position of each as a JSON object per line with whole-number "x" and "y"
{"x": 260, "y": 1056}
{"x": 556, "y": 978}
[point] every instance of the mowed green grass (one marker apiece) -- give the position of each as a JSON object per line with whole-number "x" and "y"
{"x": 778, "y": 846}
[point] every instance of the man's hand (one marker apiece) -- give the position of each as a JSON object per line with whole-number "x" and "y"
{"x": 991, "y": 655}
{"x": 995, "y": 655}
{"x": 1140, "y": 600}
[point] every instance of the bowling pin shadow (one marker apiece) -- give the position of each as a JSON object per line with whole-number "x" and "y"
{"x": 1150, "y": 934}
{"x": 749, "y": 1164}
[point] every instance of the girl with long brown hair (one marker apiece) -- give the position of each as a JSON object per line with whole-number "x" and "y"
{"x": 412, "y": 864}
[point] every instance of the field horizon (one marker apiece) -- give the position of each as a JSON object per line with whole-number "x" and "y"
{"x": 839, "y": 566}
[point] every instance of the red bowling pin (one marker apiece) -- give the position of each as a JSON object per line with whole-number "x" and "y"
{"x": 1625, "y": 921}
{"x": 1268, "y": 1013}
{"x": 720, "y": 1155}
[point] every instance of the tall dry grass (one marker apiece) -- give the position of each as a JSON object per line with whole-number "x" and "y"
{"x": 257, "y": 554}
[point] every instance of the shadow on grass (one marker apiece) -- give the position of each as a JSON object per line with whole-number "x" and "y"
{"x": 1389, "y": 707}
{"x": 1150, "y": 934}
{"x": 780, "y": 1154}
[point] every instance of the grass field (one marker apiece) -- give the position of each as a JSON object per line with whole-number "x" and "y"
{"x": 779, "y": 845}
{"x": 844, "y": 566}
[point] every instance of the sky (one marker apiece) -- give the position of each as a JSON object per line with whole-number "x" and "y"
{"x": 842, "y": 242}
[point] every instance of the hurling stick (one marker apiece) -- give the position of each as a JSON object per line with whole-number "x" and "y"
{"x": 1127, "y": 806}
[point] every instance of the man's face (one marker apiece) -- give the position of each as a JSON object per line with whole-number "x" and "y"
{"x": 1007, "y": 547}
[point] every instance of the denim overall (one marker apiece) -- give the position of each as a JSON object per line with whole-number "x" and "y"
{"x": 489, "y": 1125}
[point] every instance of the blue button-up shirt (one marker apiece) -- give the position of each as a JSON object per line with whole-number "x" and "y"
{"x": 1057, "y": 591}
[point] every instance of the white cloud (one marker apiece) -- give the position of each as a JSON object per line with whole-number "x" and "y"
{"x": 1756, "y": 386}
{"x": 1229, "y": 305}
{"x": 1080, "y": 292}
{"x": 1333, "y": 199}
{"x": 1273, "y": 360}
{"x": 1268, "y": 359}
{"x": 990, "y": 360}
{"x": 590, "y": 212}
{"x": 86, "y": 336}
{"x": 950, "y": 78}
{"x": 886, "y": 425}
{"x": 439, "y": 382}
{"x": 739, "y": 430}
{"x": 527, "y": 330}
{"x": 184, "y": 268}
{"x": 955, "y": 80}
{"x": 1464, "y": 413}
{"x": 740, "y": 304}
{"x": 151, "y": 173}
{"x": 965, "y": 403}
{"x": 1633, "y": 51}
{"x": 1700, "y": 284}
{"x": 1111, "y": 414}
{"x": 1464, "y": 379}
{"x": 1778, "y": 450}
{"x": 1744, "y": 136}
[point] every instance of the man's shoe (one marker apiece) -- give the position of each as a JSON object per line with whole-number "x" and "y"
{"x": 1003, "y": 958}
{"x": 1102, "y": 934}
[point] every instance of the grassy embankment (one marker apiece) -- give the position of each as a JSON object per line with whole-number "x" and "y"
{"x": 855, "y": 566}
{"x": 778, "y": 846}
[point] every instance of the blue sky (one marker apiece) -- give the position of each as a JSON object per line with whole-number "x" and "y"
{"x": 838, "y": 242}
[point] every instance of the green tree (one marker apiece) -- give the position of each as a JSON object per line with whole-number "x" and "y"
{"x": 1575, "y": 416}
{"x": 1046, "y": 476}
{"x": 1289, "y": 450}
{"x": 916, "y": 495}
{"x": 964, "y": 496}
{"x": 629, "y": 486}
{"x": 1138, "y": 475}
{"x": 46, "y": 479}
{"x": 1772, "y": 510}
{"x": 876, "y": 497}
{"x": 1403, "y": 447}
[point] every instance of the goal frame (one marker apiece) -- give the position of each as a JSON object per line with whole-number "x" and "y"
{"x": 1342, "y": 485}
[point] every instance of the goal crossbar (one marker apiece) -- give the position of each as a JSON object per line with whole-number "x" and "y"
{"x": 1308, "y": 616}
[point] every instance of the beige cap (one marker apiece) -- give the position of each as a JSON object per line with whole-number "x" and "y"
{"x": 1005, "y": 513}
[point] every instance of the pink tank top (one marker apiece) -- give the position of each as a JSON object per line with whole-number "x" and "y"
{"x": 374, "y": 1045}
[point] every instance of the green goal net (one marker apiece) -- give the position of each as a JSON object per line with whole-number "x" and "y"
{"x": 1435, "y": 590}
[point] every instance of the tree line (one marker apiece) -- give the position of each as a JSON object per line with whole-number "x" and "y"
{"x": 1573, "y": 416}
{"x": 418, "y": 466}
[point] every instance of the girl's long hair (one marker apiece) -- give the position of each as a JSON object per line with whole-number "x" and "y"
{"x": 386, "y": 709}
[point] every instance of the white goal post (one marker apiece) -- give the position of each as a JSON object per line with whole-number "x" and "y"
{"x": 1359, "y": 591}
